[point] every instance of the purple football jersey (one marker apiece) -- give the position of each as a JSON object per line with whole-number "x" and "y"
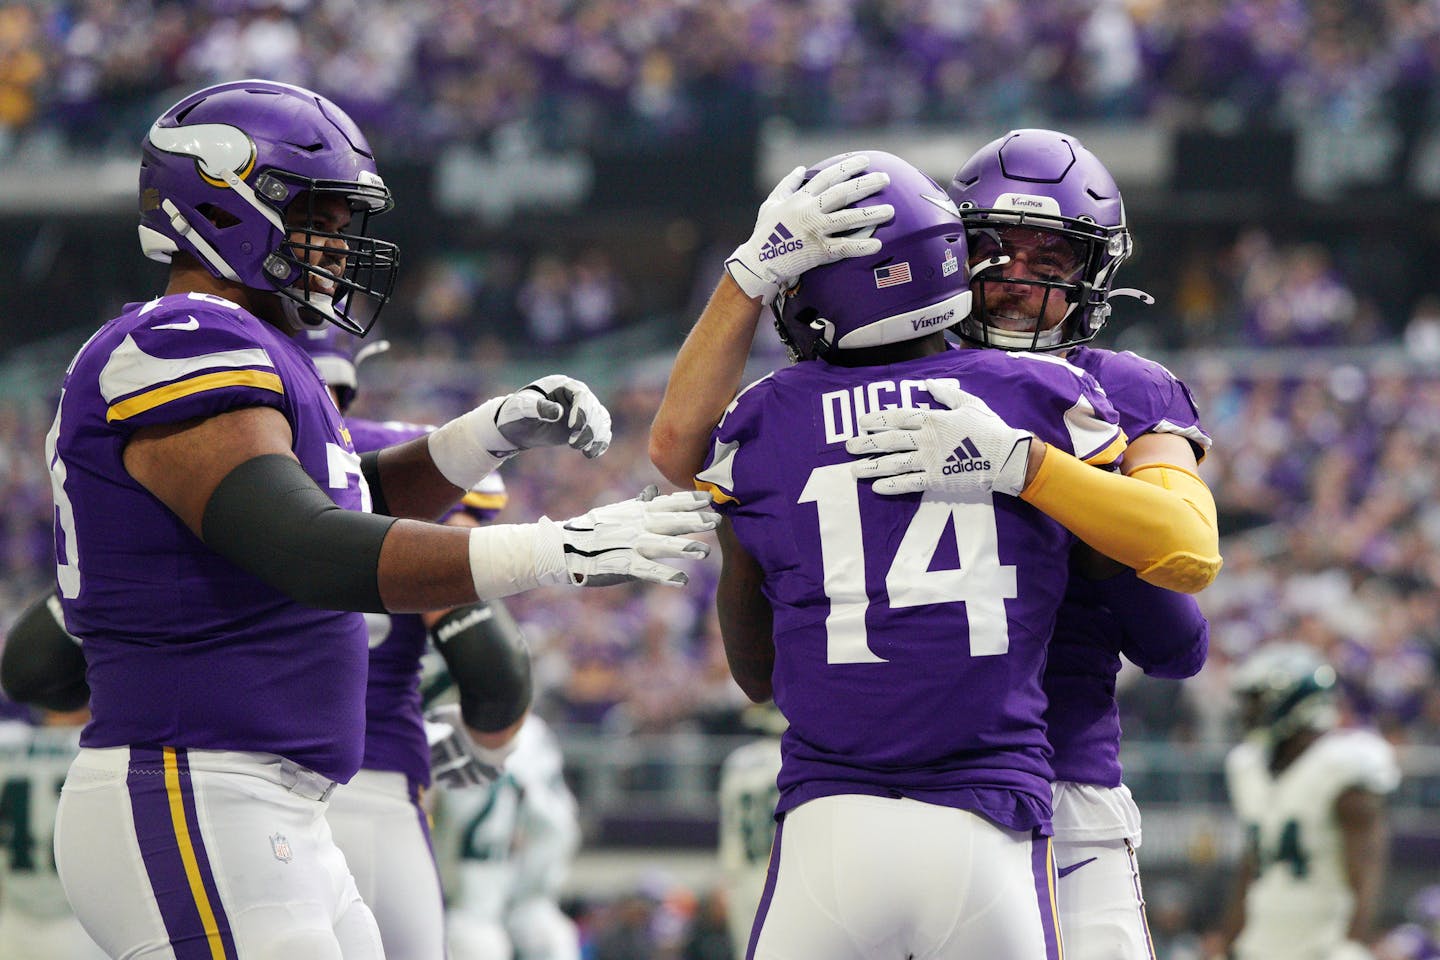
{"x": 394, "y": 724}
{"x": 910, "y": 632}
{"x": 182, "y": 647}
{"x": 1083, "y": 719}
{"x": 394, "y": 717}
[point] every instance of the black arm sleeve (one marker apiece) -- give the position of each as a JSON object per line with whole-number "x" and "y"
{"x": 43, "y": 665}
{"x": 270, "y": 519}
{"x": 485, "y": 651}
{"x": 370, "y": 470}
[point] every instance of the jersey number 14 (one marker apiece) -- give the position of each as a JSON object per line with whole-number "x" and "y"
{"x": 981, "y": 581}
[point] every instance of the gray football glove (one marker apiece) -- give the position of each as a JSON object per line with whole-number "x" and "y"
{"x": 456, "y": 760}
{"x": 549, "y": 412}
{"x": 799, "y": 226}
{"x": 552, "y": 411}
{"x": 963, "y": 453}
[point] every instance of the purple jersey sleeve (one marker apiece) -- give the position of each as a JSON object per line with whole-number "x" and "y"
{"x": 1164, "y": 633}
{"x": 910, "y": 632}
{"x": 182, "y": 647}
{"x": 1147, "y": 397}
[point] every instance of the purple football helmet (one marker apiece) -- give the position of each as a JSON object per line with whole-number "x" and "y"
{"x": 337, "y": 360}
{"x": 1044, "y": 182}
{"x": 218, "y": 171}
{"x": 915, "y": 285}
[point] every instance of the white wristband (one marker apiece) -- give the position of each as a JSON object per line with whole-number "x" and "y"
{"x": 467, "y": 449}
{"x": 752, "y": 284}
{"x": 512, "y": 557}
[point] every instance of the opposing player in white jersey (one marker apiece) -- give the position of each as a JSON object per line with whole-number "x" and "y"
{"x": 748, "y": 795}
{"x": 1311, "y": 797}
{"x": 514, "y": 843}
{"x": 35, "y": 918}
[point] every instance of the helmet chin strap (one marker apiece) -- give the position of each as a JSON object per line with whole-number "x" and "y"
{"x": 313, "y": 315}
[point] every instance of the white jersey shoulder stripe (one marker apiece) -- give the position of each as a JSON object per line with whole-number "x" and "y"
{"x": 130, "y": 369}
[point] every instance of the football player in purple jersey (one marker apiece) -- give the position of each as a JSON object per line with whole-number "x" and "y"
{"x": 378, "y": 818}
{"x": 218, "y": 536}
{"x": 902, "y": 638}
{"x": 1046, "y": 211}
{"x": 1168, "y": 522}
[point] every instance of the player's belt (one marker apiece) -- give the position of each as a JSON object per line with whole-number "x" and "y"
{"x": 304, "y": 782}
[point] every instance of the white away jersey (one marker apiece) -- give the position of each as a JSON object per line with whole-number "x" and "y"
{"x": 1299, "y": 905}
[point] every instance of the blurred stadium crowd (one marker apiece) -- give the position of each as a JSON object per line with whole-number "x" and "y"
{"x": 650, "y": 70}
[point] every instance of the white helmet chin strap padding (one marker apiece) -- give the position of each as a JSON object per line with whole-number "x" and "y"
{"x": 1025, "y": 339}
{"x": 321, "y": 310}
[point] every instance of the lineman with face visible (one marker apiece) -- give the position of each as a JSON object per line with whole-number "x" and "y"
{"x": 216, "y": 545}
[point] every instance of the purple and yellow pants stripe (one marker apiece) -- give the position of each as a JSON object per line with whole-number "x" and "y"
{"x": 162, "y": 798}
{"x": 1042, "y": 865}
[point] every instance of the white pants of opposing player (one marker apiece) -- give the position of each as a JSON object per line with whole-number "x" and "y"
{"x": 1102, "y": 905}
{"x": 210, "y": 855}
{"x": 535, "y": 928}
{"x": 874, "y": 878}
{"x": 384, "y": 833}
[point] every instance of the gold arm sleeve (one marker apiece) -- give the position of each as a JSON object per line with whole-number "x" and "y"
{"x": 1160, "y": 520}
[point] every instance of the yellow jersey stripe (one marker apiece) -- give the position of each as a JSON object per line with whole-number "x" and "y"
{"x": 187, "y": 856}
{"x": 716, "y": 494}
{"x": 1050, "y": 883}
{"x": 151, "y": 399}
{"x": 1110, "y": 453}
{"x": 485, "y": 501}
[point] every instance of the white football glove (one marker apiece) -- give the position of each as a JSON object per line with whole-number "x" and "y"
{"x": 799, "y": 224}
{"x": 456, "y": 760}
{"x": 549, "y": 412}
{"x": 962, "y": 453}
{"x": 622, "y": 541}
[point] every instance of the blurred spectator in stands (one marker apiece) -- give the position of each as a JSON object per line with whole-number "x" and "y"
{"x": 626, "y": 930}
{"x": 1168, "y": 906}
{"x": 596, "y": 295}
{"x": 21, "y": 70}
{"x": 1422, "y": 330}
{"x": 1299, "y": 300}
{"x": 708, "y": 937}
{"x": 544, "y": 301}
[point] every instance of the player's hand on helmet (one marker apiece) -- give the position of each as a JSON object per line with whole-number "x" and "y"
{"x": 623, "y": 541}
{"x": 963, "y": 452}
{"x": 802, "y": 225}
{"x": 552, "y": 411}
{"x": 456, "y": 760}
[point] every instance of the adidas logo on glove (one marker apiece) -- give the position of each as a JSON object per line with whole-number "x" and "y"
{"x": 965, "y": 458}
{"x": 780, "y": 241}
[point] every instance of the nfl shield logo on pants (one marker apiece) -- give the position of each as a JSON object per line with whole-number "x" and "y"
{"x": 281, "y": 846}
